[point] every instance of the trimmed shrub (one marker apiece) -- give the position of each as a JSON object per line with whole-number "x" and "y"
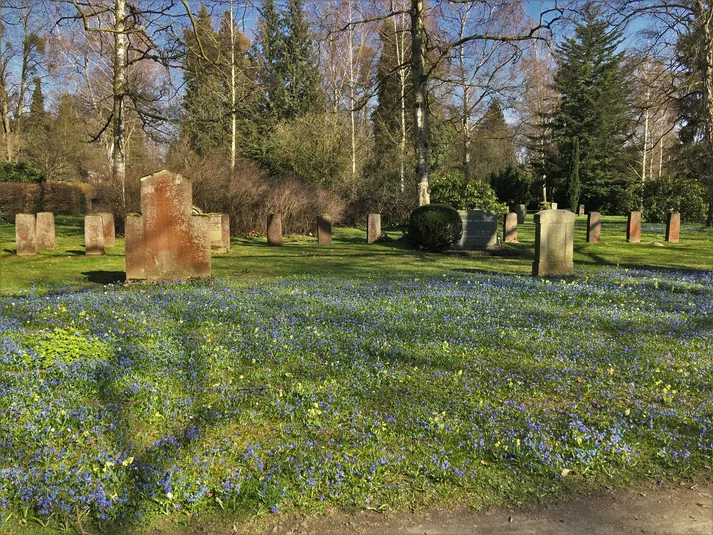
{"x": 452, "y": 189}
{"x": 19, "y": 172}
{"x": 662, "y": 195}
{"x": 56, "y": 197}
{"x": 435, "y": 227}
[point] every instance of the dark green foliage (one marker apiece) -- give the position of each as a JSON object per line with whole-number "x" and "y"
{"x": 512, "y": 185}
{"x": 19, "y": 172}
{"x": 595, "y": 109}
{"x": 574, "y": 185}
{"x": 435, "y": 227}
{"x": 662, "y": 195}
{"x": 492, "y": 149}
{"x": 452, "y": 189}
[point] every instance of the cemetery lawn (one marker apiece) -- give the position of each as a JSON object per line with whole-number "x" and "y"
{"x": 309, "y": 379}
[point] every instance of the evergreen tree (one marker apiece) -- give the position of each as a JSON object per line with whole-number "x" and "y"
{"x": 596, "y": 110}
{"x": 492, "y": 146}
{"x": 36, "y": 129}
{"x": 573, "y": 182}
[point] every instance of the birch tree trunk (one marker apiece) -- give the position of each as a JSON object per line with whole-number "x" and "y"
{"x": 119, "y": 93}
{"x": 233, "y": 98}
{"x": 420, "y": 106}
{"x": 704, "y": 14}
{"x": 399, "y": 38}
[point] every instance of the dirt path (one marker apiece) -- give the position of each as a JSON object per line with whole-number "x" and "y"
{"x": 668, "y": 509}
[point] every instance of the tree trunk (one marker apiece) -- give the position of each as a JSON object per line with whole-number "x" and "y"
{"x": 401, "y": 60}
{"x": 352, "y": 111}
{"x": 705, "y": 15}
{"x": 420, "y": 90}
{"x": 119, "y": 90}
{"x": 233, "y": 98}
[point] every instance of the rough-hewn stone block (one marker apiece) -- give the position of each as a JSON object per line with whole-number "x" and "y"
{"x": 554, "y": 243}
{"x": 373, "y": 228}
{"x": 673, "y": 227}
{"x": 324, "y": 230}
{"x": 45, "y": 230}
{"x": 93, "y": 235}
{"x": 109, "y": 230}
{"x": 594, "y": 227}
{"x": 633, "y": 227}
{"x": 25, "y": 234}
{"x": 274, "y": 229}
{"x": 510, "y": 228}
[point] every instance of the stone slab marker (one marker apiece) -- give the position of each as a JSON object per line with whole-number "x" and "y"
{"x": 480, "y": 229}
{"x": 167, "y": 242}
{"x": 373, "y": 228}
{"x": 274, "y": 229}
{"x": 554, "y": 243}
{"x": 521, "y": 211}
{"x": 594, "y": 227}
{"x": 25, "y": 234}
{"x": 324, "y": 230}
{"x": 220, "y": 233}
{"x": 553, "y": 206}
{"x": 510, "y": 228}
{"x": 93, "y": 235}
{"x": 45, "y": 230}
{"x": 580, "y": 210}
{"x": 633, "y": 227}
{"x": 673, "y": 227}
{"x": 109, "y": 230}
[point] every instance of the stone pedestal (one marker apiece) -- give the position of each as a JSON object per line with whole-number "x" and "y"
{"x": 510, "y": 228}
{"x": 220, "y": 233}
{"x": 673, "y": 227}
{"x": 109, "y": 229}
{"x": 633, "y": 227}
{"x": 167, "y": 242}
{"x": 25, "y": 234}
{"x": 554, "y": 243}
{"x": 580, "y": 210}
{"x": 93, "y": 235}
{"x": 373, "y": 228}
{"x": 324, "y": 230}
{"x": 274, "y": 229}
{"x": 45, "y": 230}
{"x": 594, "y": 227}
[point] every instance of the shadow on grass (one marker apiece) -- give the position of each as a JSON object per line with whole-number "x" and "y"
{"x": 599, "y": 260}
{"x": 105, "y": 277}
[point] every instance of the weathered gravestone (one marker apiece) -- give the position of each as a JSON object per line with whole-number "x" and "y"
{"x": 25, "y": 234}
{"x": 480, "y": 229}
{"x": 373, "y": 228}
{"x": 109, "y": 230}
{"x": 45, "y": 230}
{"x": 93, "y": 235}
{"x": 324, "y": 230}
{"x": 220, "y": 233}
{"x": 580, "y": 210}
{"x": 166, "y": 241}
{"x": 633, "y": 227}
{"x": 554, "y": 243}
{"x": 673, "y": 227}
{"x": 521, "y": 211}
{"x": 594, "y": 227}
{"x": 510, "y": 228}
{"x": 274, "y": 229}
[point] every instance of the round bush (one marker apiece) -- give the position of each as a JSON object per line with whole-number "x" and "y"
{"x": 452, "y": 189}
{"x": 435, "y": 227}
{"x": 666, "y": 193}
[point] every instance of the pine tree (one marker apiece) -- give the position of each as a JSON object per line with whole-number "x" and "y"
{"x": 573, "y": 183}
{"x": 36, "y": 129}
{"x": 492, "y": 145}
{"x": 596, "y": 109}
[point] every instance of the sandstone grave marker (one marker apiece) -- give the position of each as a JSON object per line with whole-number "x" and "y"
{"x": 274, "y": 229}
{"x": 673, "y": 227}
{"x": 45, "y": 230}
{"x": 220, "y": 233}
{"x": 373, "y": 228}
{"x": 25, "y": 234}
{"x": 324, "y": 230}
{"x": 633, "y": 227}
{"x": 521, "y": 211}
{"x": 594, "y": 227}
{"x": 109, "y": 230}
{"x": 510, "y": 228}
{"x": 93, "y": 235}
{"x": 554, "y": 243}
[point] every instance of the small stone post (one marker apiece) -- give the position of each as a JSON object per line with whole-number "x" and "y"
{"x": 93, "y": 235}
{"x": 521, "y": 211}
{"x": 673, "y": 227}
{"x": 510, "y": 228}
{"x": 580, "y": 210}
{"x": 220, "y": 233}
{"x": 594, "y": 227}
{"x": 324, "y": 230}
{"x": 633, "y": 227}
{"x": 373, "y": 228}
{"x": 274, "y": 229}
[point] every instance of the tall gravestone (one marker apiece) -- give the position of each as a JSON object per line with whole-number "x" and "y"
{"x": 166, "y": 241}
{"x": 594, "y": 227}
{"x": 480, "y": 229}
{"x": 25, "y": 234}
{"x": 109, "y": 229}
{"x": 45, "y": 230}
{"x": 324, "y": 230}
{"x": 93, "y": 235}
{"x": 510, "y": 228}
{"x": 633, "y": 227}
{"x": 554, "y": 243}
{"x": 373, "y": 228}
{"x": 673, "y": 227}
{"x": 580, "y": 210}
{"x": 521, "y": 211}
{"x": 220, "y": 233}
{"x": 274, "y": 229}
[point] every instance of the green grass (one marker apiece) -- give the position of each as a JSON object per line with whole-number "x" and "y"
{"x": 350, "y": 256}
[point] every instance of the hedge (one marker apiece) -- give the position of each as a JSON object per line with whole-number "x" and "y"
{"x": 56, "y": 197}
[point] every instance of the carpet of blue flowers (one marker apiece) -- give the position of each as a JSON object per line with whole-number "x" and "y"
{"x": 307, "y": 392}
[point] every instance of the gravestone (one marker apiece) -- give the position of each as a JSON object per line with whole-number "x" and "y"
{"x": 510, "y": 228}
{"x": 274, "y": 229}
{"x": 45, "y": 230}
{"x": 220, "y": 233}
{"x": 580, "y": 210}
{"x": 673, "y": 227}
{"x": 25, "y": 234}
{"x": 554, "y": 243}
{"x": 373, "y": 228}
{"x": 594, "y": 227}
{"x": 166, "y": 241}
{"x": 109, "y": 230}
{"x": 480, "y": 229}
{"x": 521, "y": 211}
{"x": 324, "y": 230}
{"x": 633, "y": 227}
{"x": 553, "y": 206}
{"x": 93, "y": 235}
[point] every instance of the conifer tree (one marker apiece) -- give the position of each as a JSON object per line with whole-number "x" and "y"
{"x": 492, "y": 146}
{"x": 36, "y": 129}
{"x": 573, "y": 183}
